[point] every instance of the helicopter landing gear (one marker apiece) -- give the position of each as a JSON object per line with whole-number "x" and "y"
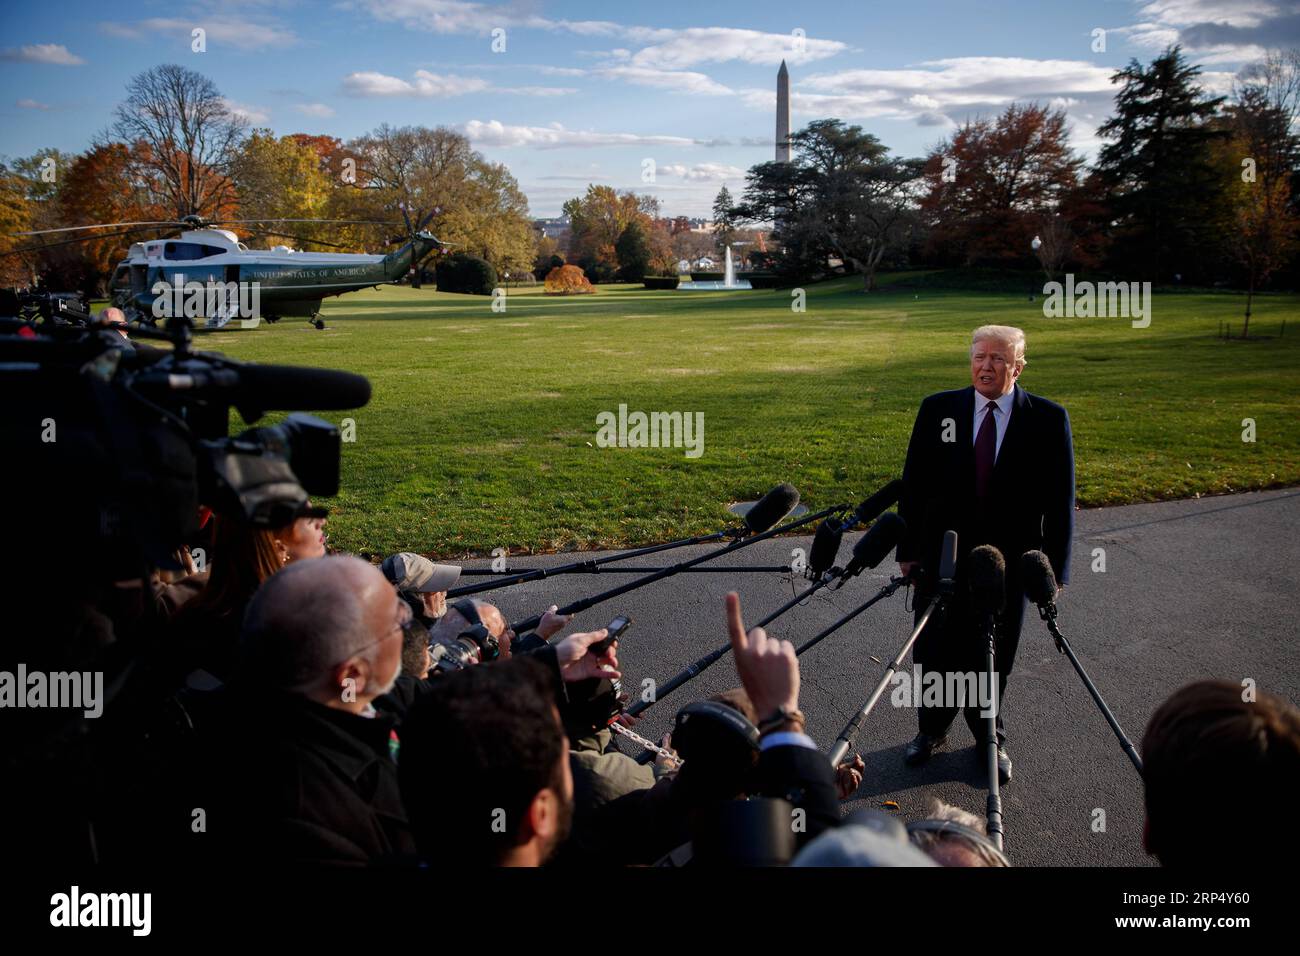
{"x": 317, "y": 321}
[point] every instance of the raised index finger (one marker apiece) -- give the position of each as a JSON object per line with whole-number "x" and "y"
{"x": 735, "y": 625}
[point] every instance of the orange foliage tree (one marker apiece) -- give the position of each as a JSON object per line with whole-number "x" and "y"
{"x": 567, "y": 280}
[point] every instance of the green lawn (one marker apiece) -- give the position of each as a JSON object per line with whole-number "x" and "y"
{"x": 482, "y": 429}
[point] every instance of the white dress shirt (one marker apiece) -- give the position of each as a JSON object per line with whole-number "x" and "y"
{"x": 1003, "y": 416}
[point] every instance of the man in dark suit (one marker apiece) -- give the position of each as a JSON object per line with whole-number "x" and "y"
{"x": 995, "y": 464}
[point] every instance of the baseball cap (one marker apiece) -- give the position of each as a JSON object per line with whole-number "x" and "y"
{"x": 412, "y": 572}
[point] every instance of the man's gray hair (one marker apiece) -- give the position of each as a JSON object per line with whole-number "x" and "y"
{"x": 947, "y": 813}
{"x": 1008, "y": 334}
{"x": 303, "y": 621}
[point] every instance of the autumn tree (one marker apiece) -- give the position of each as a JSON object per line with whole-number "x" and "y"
{"x": 992, "y": 183}
{"x": 598, "y": 218}
{"x": 282, "y": 178}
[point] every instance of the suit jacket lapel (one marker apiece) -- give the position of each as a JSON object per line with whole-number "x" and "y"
{"x": 965, "y": 415}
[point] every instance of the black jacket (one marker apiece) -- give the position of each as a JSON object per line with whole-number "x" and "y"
{"x": 290, "y": 780}
{"x": 1032, "y": 497}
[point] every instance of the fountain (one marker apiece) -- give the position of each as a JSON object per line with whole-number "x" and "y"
{"x": 729, "y": 280}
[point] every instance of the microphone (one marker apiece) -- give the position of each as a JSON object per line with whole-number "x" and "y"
{"x": 260, "y": 387}
{"x": 825, "y": 547}
{"x": 886, "y": 497}
{"x": 771, "y": 508}
{"x": 987, "y": 582}
{"x": 1040, "y": 582}
{"x": 874, "y": 546}
{"x": 948, "y": 563}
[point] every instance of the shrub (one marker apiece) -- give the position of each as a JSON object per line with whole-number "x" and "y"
{"x": 708, "y": 276}
{"x": 567, "y": 280}
{"x": 661, "y": 282}
{"x": 466, "y": 274}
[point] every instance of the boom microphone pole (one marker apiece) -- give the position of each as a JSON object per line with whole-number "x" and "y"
{"x": 1040, "y": 588}
{"x": 938, "y": 605}
{"x": 769, "y": 509}
{"x": 870, "y": 550}
{"x": 574, "y": 607}
{"x": 592, "y": 568}
{"x": 988, "y": 573}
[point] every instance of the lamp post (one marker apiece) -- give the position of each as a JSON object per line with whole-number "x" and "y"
{"x": 1035, "y": 245}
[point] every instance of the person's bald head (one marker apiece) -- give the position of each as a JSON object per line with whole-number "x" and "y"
{"x": 315, "y": 626}
{"x": 114, "y": 318}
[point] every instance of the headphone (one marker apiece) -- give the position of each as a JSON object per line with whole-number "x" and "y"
{"x": 716, "y": 714}
{"x": 489, "y": 648}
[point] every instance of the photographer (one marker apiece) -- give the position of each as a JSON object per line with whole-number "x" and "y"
{"x": 421, "y": 583}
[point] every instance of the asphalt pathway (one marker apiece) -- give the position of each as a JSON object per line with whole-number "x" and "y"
{"x": 1190, "y": 590}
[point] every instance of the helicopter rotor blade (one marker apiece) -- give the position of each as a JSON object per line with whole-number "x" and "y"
{"x": 67, "y": 242}
{"x": 100, "y": 225}
{"x": 287, "y": 235}
{"x": 350, "y": 222}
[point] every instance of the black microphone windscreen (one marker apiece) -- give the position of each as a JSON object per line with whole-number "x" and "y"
{"x": 825, "y": 546}
{"x": 771, "y": 508}
{"x": 874, "y": 546}
{"x": 870, "y": 509}
{"x": 290, "y": 387}
{"x": 1039, "y": 581}
{"x": 987, "y": 579}
{"x": 948, "y": 557}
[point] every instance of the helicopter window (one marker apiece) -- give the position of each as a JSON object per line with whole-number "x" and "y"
{"x": 188, "y": 251}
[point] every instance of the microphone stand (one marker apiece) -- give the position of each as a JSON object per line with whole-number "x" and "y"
{"x": 1048, "y": 613}
{"x": 582, "y": 604}
{"x": 939, "y": 605}
{"x": 994, "y": 806}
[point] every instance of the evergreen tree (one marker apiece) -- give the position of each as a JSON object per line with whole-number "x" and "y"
{"x": 1158, "y": 168}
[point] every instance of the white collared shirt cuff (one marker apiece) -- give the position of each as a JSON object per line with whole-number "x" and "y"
{"x": 787, "y": 738}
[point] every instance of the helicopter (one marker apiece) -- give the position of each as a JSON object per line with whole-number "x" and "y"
{"x": 207, "y": 272}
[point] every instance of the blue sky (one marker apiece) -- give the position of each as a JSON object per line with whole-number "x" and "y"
{"x": 588, "y": 92}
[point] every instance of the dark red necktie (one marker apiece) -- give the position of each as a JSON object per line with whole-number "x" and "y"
{"x": 986, "y": 451}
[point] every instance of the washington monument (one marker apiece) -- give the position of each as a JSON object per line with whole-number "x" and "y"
{"x": 783, "y": 114}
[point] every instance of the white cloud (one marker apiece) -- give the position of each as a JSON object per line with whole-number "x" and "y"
{"x": 253, "y": 115}
{"x": 31, "y": 105}
{"x": 423, "y": 83}
{"x": 1215, "y": 31}
{"x": 221, "y": 30}
{"x": 701, "y": 172}
{"x": 556, "y": 136}
{"x": 679, "y": 81}
{"x": 53, "y": 54}
{"x": 315, "y": 109}
{"x": 657, "y": 47}
{"x": 724, "y": 44}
